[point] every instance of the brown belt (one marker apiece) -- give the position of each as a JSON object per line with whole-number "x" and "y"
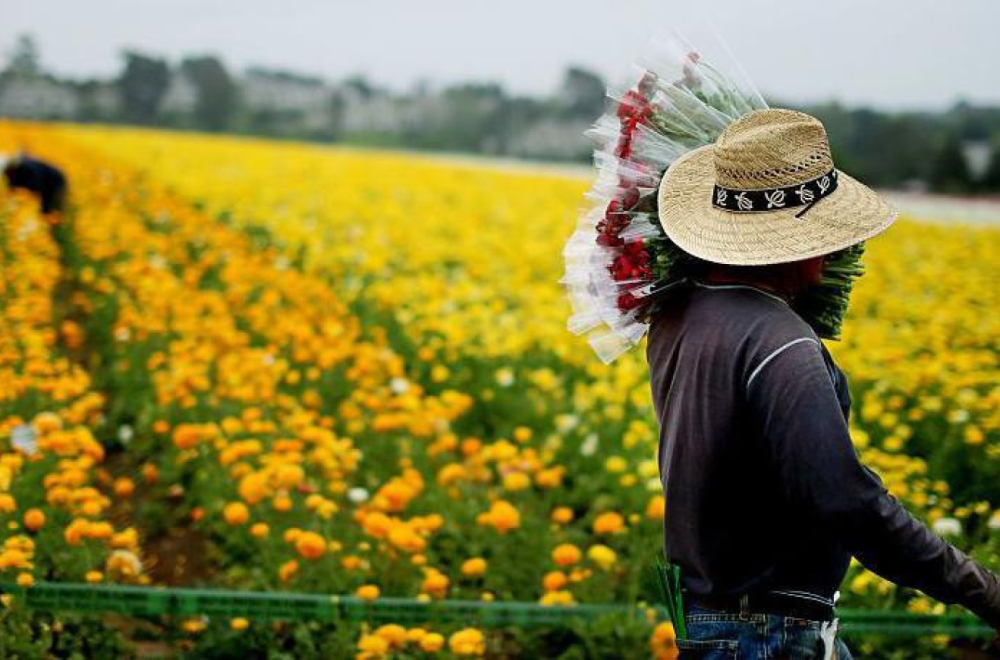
{"x": 801, "y": 607}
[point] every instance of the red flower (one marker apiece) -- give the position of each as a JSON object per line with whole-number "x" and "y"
{"x": 632, "y": 263}
{"x": 621, "y": 268}
{"x": 627, "y": 301}
{"x": 607, "y": 240}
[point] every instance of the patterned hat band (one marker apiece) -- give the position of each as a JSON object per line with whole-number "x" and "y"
{"x": 772, "y": 199}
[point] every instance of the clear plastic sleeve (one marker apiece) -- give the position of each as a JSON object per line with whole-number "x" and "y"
{"x": 673, "y": 101}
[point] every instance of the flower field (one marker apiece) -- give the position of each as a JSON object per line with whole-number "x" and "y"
{"x": 275, "y": 366}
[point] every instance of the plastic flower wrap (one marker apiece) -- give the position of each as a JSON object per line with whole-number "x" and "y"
{"x": 619, "y": 261}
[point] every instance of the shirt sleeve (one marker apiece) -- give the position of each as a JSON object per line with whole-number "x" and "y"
{"x": 792, "y": 399}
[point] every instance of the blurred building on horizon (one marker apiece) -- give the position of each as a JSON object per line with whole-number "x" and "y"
{"x": 955, "y": 151}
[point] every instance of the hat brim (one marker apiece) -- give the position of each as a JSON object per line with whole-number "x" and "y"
{"x": 851, "y": 214}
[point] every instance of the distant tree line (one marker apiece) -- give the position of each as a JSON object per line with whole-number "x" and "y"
{"x": 955, "y": 151}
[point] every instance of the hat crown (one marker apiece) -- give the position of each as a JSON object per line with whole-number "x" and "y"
{"x": 771, "y": 149}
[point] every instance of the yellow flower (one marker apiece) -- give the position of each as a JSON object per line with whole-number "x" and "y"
{"x": 615, "y": 464}
{"x": 431, "y": 643}
{"x": 522, "y": 434}
{"x": 557, "y": 598}
{"x": 974, "y": 436}
{"x": 373, "y": 646}
{"x": 602, "y": 555}
{"x": 467, "y": 641}
{"x": 194, "y": 625}
{"x": 515, "y": 481}
{"x": 239, "y": 623}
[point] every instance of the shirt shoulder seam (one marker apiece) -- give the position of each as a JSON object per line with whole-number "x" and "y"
{"x": 775, "y": 353}
{"x": 737, "y": 287}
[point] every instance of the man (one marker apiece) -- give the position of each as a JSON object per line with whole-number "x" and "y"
{"x": 767, "y": 499}
{"x": 41, "y": 178}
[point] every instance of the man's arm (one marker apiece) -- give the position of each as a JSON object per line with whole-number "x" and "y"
{"x": 796, "y": 407}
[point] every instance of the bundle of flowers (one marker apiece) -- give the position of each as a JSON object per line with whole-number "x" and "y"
{"x": 619, "y": 262}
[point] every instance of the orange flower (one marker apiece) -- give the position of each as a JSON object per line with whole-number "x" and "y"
{"x": 566, "y": 554}
{"x": 282, "y": 502}
{"x": 34, "y": 519}
{"x": 554, "y": 580}
{"x": 403, "y": 537}
{"x": 367, "y": 592}
{"x": 393, "y": 633}
{"x": 550, "y": 477}
{"x": 372, "y": 646}
{"x": 150, "y": 473}
{"x": 75, "y": 531}
{"x": 186, "y": 436}
{"x": 310, "y": 545}
{"x": 288, "y": 570}
{"x": 435, "y": 583}
{"x": 236, "y": 513}
{"x": 502, "y": 516}
{"x": 474, "y": 567}
{"x": 562, "y": 515}
{"x": 656, "y": 508}
{"x": 663, "y": 642}
{"x": 609, "y": 523}
{"x": 376, "y": 524}
{"x": 124, "y": 487}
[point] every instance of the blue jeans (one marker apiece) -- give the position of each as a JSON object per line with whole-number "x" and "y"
{"x": 715, "y": 635}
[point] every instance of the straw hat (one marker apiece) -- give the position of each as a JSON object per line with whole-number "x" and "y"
{"x": 767, "y": 192}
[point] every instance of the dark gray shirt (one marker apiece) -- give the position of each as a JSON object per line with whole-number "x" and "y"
{"x": 764, "y": 489}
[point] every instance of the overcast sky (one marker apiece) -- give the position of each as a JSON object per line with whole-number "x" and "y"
{"x": 887, "y": 53}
